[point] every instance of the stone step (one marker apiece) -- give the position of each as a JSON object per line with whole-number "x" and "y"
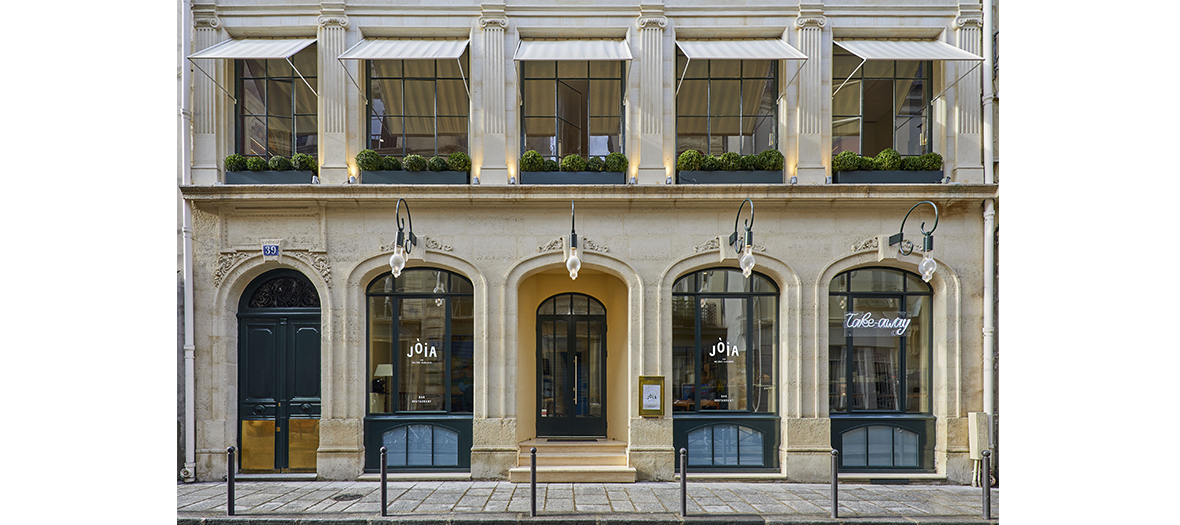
{"x": 547, "y": 447}
{"x": 574, "y": 474}
{"x": 573, "y": 458}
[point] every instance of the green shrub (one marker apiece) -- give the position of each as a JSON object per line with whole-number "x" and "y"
{"x": 867, "y": 164}
{"x": 889, "y": 159}
{"x": 730, "y": 161}
{"x": 438, "y": 163}
{"x": 911, "y": 163}
{"x": 531, "y": 161}
{"x": 751, "y": 162}
{"x": 845, "y": 161}
{"x": 368, "y": 160}
{"x": 256, "y": 164}
{"x": 459, "y": 161}
{"x": 710, "y": 163}
{"x": 771, "y": 160}
{"x": 550, "y": 165}
{"x": 279, "y": 163}
{"x": 615, "y": 162}
{"x": 689, "y": 160}
{"x": 931, "y": 161}
{"x": 573, "y": 163}
{"x": 235, "y": 162}
{"x": 415, "y": 163}
{"x": 303, "y": 162}
{"x": 390, "y": 163}
{"x": 594, "y": 164}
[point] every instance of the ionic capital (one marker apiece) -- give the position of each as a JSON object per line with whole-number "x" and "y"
{"x": 817, "y": 22}
{"x": 498, "y": 21}
{"x": 652, "y": 22}
{"x": 327, "y": 21}
{"x": 207, "y": 22}
{"x": 969, "y": 22}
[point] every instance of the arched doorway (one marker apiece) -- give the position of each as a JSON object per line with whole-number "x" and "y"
{"x": 571, "y": 367}
{"x": 279, "y": 373}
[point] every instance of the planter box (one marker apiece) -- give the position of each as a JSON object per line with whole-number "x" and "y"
{"x": 573, "y": 177}
{"x": 268, "y": 177}
{"x": 887, "y": 177}
{"x": 730, "y": 177}
{"x": 413, "y": 177}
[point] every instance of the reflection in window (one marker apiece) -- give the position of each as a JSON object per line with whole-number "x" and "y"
{"x": 726, "y": 105}
{"x": 879, "y": 446}
{"x": 572, "y": 108}
{"x": 276, "y": 111}
{"x": 725, "y": 445}
{"x": 421, "y": 446}
{"x": 418, "y": 107}
{"x": 884, "y": 104}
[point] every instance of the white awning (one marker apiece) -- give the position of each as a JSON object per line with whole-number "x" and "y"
{"x": 905, "y": 50}
{"x": 761, "y": 49}
{"x": 573, "y": 50}
{"x": 396, "y": 49}
{"x": 254, "y": 48}
{"x": 259, "y": 48}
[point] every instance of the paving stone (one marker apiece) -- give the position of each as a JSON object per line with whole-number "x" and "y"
{"x": 591, "y": 499}
{"x": 558, "y": 505}
{"x": 622, "y": 506}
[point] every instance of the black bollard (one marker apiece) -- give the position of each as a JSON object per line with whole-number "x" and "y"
{"x": 229, "y": 480}
{"x": 987, "y": 484}
{"x": 533, "y": 482}
{"x": 835, "y": 484}
{"x": 384, "y": 477}
{"x": 683, "y": 483}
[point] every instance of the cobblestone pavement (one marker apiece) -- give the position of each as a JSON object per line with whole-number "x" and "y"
{"x": 353, "y": 499}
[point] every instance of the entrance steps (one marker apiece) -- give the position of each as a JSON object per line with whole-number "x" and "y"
{"x": 565, "y": 461}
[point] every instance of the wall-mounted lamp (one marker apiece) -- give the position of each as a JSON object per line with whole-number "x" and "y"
{"x": 744, "y": 244}
{"x": 927, "y": 266}
{"x": 572, "y": 263}
{"x": 405, "y": 243}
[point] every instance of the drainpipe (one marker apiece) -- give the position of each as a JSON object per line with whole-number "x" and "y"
{"x": 989, "y": 95}
{"x": 989, "y": 230}
{"x": 188, "y": 473}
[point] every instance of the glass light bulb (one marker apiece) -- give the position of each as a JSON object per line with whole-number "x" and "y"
{"x": 927, "y": 267}
{"x": 397, "y": 261}
{"x": 746, "y": 262}
{"x": 573, "y": 264}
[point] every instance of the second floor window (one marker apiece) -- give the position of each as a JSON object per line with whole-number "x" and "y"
{"x": 418, "y": 107}
{"x": 573, "y": 107}
{"x": 277, "y": 108}
{"x": 726, "y": 105}
{"x": 885, "y": 104}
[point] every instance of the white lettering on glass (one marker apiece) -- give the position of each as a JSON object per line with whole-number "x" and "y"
{"x": 723, "y": 349}
{"x": 897, "y": 325}
{"x": 422, "y": 350}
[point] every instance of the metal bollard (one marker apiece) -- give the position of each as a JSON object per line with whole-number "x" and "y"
{"x": 533, "y": 482}
{"x": 835, "y": 484}
{"x": 683, "y": 483}
{"x": 987, "y": 484}
{"x": 384, "y": 477}
{"x": 229, "y": 480}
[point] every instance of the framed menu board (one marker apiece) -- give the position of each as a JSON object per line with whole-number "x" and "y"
{"x": 651, "y": 396}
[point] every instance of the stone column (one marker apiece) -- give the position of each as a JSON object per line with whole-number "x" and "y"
{"x": 968, "y": 166}
{"x": 651, "y": 95}
{"x": 206, "y": 156}
{"x": 490, "y": 151}
{"x": 811, "y": 157}
{"x": 331, "y": 86}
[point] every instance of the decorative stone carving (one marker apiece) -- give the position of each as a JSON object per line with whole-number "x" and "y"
{"x": 867, "y": 244}
{"x": 225, "y": 263}
{"x": 208, "y": 21}
{"x": 652, "y": 22}
{"x": 334, "y": 20}
{"x": 588, "y": 244}
{"x": 969, "y": 22}
{"x": 817, "y": 22}
{"x": 318, "y": 261}
{"x": 555, "y": 244}
{"x": 432, "y": 244}
{"x": 500, "y": 21}
{"x": 709, "y": 245}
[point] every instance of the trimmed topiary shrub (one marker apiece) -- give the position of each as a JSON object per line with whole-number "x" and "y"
{"x": 911, "y": 163}
{"x": 532, "y": 161}
{"x": 415, "y": 163}
{"x": 845, "y": 161}
{"x": 573, "y": 163}
{"x": 368, "y": 160}
{"x": 710, "y": 163}
{"x": 550, "y": 165}
{"x": 866, "y": 164}
{"x": 751, "y": 162}
{"x": 931, "y": 161}
{"x": 279, "y": 163}
{"x": 689, "y": 160}
{"x": 459, "y": 161}
{"x": 303, "y": 162}
{"x": 235, "y": 162}
{"x": 771, "y": 160}
{"x": 889, "y": 159}
{"x": 730, "y": 161}
{"x": 594, "y": 164}
{"x": 256, "y": 164}
{"x": 439, "y": 163}
{"x": 390, "y": 163}
{"x": 615, "y": 162}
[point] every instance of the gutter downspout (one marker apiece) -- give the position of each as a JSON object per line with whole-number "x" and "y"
{"x": 989, "y": 228}
{"x": 186, "y": 125}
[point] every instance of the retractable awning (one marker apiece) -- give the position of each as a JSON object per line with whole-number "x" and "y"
{"x": 758, "y": 49}
{"x": 611, "y": 49}
{"x": 254, "y": 48}
{"x": 407, "y": 49}
{"x": 905, "y": 50}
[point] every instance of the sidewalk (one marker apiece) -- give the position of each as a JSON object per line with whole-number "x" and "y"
{"x": 652, "y": 503}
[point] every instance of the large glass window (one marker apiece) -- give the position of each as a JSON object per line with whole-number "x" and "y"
{"x": 572, "y": 108}
{"x": 726, "y": 105}
{"x": 276, "y": 109}
{"x": 418, "y": 107}
{"x": 421, "y": 343}
{"x": 724, "y": 342}
{"x": 879, "y": 332}
{"x": 883, "y": 105}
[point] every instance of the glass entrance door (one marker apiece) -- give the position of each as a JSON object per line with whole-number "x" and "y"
{"x": 571, "y": 367}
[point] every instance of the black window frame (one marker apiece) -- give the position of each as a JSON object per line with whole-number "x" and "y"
{"x": 528, "y": 67}
{"x": 464, "y": 65}
{"x": 297, "y": 86}
{"x": 772, "y": 76}
{"x": 926, "y": 66}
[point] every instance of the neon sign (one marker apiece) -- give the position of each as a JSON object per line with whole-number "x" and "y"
{"x": 896, "y": 326}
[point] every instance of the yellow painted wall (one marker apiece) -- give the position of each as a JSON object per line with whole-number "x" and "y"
{"x": 612, "y": 292}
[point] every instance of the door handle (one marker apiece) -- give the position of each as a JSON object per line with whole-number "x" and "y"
{"x": 575, "y": 381}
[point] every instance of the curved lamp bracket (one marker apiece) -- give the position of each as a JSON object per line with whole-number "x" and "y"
{"x": 741, "y": 241}
{"x": 405, "y": 239}
{"x": 927, "y": 236}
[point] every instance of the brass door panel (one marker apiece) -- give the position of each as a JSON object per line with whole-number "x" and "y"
{"x": 258, "y": 445}
{"x": 303, "y": 438}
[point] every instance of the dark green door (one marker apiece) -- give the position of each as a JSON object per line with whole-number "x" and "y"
{"x": 571, "y": 367}
{"x": 279, "y": 375}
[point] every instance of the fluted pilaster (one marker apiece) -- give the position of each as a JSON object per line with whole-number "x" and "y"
{"x": 968, "y": 161}
{"x": 205, "y": 155}
{"x": 650, "y": 65}
{"x": 490, "y": 151}
{"x": 810, "y": 168}
{"x": 332, "y": 88}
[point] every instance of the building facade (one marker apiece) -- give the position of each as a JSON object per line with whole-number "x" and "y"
{"x": 308, "y": 352}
